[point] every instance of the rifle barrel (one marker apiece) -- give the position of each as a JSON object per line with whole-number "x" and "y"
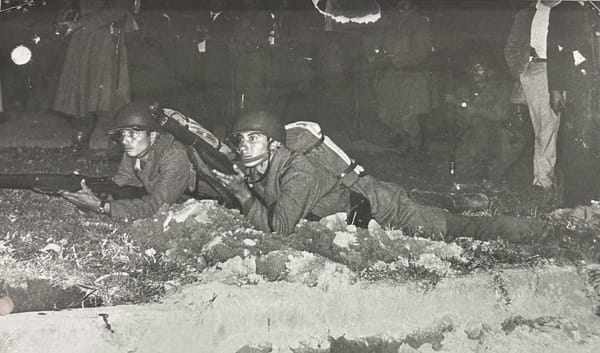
{"x": 104, "y": 187}
{"x": 69, "y": 182}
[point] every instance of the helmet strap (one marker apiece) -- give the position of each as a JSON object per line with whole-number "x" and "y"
{"x": 256, "y": 158}
{"x": 268, "y": 154}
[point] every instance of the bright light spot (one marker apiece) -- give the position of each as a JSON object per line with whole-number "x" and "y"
{"x": 463, "y": 104}
{"x": 20, "y": 55}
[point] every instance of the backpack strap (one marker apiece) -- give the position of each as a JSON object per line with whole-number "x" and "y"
{"x": 348, "y": 170}
{"x": 314, "y": 145}
{"x": 349, "y": 176}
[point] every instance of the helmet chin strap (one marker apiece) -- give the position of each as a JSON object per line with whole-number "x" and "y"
{"x": 263, "y": 157}
{"x": 259, "y": 158}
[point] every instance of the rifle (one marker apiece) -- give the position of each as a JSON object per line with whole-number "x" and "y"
{"x": 214, "y": 158}
{"x": 54, "y": 184}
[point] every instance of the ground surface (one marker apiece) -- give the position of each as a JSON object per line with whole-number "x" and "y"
{"x": 202, "y": 278}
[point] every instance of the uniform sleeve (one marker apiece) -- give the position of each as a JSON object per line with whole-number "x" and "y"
{"x": 174, "y": 177}
{"x": 493, "y": 104}
{"x": 514, "y": 42}
{"x": 281, "y": 213}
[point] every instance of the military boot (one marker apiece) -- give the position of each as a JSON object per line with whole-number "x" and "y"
{"x": 82, "y": 131}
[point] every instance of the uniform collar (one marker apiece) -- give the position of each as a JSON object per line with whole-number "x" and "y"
{"x": 156, "y": 151}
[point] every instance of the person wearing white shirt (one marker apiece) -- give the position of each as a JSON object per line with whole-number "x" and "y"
{"x": 525, "y": 53}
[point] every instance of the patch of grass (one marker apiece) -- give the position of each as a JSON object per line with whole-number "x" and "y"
{"x": 120, "y": 262}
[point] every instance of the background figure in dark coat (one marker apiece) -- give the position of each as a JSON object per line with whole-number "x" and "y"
{"x": 403, "y": 91}
{"x": 487, "y": 137}
{"x": 95, "y": 75}
{"x": 217, "y": 61}
{"x": 573, "y": 80}
{"x": 252, "y": 60}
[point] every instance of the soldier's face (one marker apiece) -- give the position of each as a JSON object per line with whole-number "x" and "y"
{"x": 136, "y": 143}
{"x": 253, "y": 147}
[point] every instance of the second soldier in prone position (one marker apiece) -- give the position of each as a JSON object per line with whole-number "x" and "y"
{"x": 277, "y": 187}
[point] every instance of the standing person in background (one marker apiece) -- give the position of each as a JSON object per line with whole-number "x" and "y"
{"x": 252, "y": 60}
{"x": 366, "y": 71}
{"x": 525, "y": 53}
{"x": 573, "y": 78}
{"x": 403, "y": 91}
{"x": 95, "y": 75}
{"x": 217, "y": 65}
{"x": 292, "y": 52}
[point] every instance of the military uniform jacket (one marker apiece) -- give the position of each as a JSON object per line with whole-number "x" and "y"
{"x": 518, "y": 45}
{"x": 570, "y": 30}
{"x": 294, "y": 187}
{"x": 490, "y": 101}
{"x": 166, "y": 176}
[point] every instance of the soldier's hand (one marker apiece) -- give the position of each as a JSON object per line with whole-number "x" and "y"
{"x": 557, "y": 101}
{"x": 236, "y": 183}
{"x": 84, "y": 199}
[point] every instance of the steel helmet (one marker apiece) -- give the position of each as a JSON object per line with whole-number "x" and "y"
{"x": 141, "y": 114}
{"x": 263, "y": 122}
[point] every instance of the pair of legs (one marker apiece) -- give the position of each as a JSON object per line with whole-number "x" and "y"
{"x": 545, "y": 123}
{"x": 82, "y": 130}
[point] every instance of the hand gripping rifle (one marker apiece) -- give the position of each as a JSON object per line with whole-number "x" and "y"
{"x": 205, "y": 153}
{"x": 55, "y": 184}
{"x": 210, "y": 153}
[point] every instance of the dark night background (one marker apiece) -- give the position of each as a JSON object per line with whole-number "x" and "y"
{"x": 162, "y": 53}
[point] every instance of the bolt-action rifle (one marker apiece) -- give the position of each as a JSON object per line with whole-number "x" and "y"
{"x": 55, "y": 184}
{"x": 211, "y": 155}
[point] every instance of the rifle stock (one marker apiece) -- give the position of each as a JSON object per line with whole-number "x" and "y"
{"x": 54, "y": 184}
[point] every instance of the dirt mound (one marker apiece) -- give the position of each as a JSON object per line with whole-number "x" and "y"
{"x": 104, "y": 262}
{"x": 210, "y": 280}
